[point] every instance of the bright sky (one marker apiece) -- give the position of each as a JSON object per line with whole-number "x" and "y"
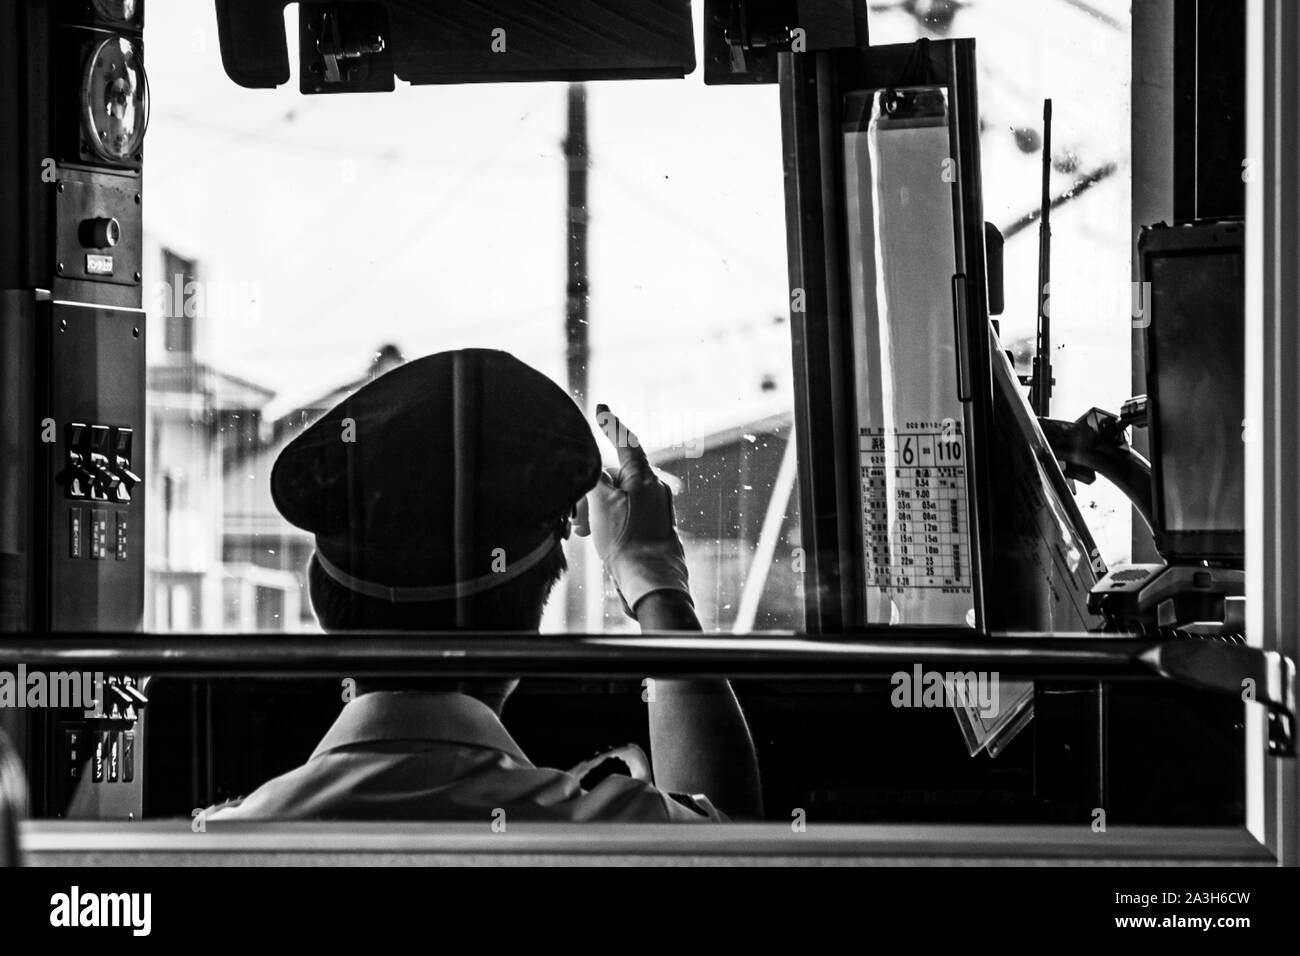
{"x": 433, "y": 217}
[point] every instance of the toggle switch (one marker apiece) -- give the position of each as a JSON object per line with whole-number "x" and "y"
{"x": 128, "y": 685}
{"x": 122, "y": 438}
{"x": 119, "y": 692}
{"x": 104, "y": 482}
{"x": 79, "y": 482}
{"x": 78, "y": 476}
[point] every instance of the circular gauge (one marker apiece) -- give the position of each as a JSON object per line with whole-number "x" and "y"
{"x": 115, "y": 100}
{"x": 119, "y": 11}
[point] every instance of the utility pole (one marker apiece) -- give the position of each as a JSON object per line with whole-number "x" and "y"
{"x": 585, "y": 593}
{"x": 577, "y": 289}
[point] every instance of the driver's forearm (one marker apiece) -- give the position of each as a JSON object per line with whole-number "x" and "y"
{"x": 699, "y": 741}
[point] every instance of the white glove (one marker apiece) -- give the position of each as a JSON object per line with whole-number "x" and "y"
{"x": 630, "y": 520}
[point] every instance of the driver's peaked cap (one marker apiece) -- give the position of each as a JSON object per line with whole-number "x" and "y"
{"x": 441, "y": 471}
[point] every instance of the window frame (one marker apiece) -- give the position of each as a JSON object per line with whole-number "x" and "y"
{"x": 1271, "y": 834}
{"x": 874, "y": 653}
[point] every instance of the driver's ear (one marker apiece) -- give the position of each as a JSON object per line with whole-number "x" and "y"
{"x": 580, "y": 518}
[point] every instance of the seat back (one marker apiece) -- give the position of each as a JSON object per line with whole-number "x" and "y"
{"x": 13, "y": 801}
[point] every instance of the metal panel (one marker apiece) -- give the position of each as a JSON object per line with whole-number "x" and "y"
{"x": 83, "y": 197}
{"x": 17, "y": 437}
{"x": 377, "y": 844}
{"x": 96, "y": 362}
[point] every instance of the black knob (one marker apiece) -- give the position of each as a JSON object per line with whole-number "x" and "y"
{"x": 100, "y": 233}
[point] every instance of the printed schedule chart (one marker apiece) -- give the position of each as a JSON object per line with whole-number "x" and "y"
{"x": 914, "y": 507}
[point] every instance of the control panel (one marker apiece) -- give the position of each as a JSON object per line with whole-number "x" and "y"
{"x": 98, "y": 472}
{"x": 99, "y": 752}
{"x": 94, "y": 462}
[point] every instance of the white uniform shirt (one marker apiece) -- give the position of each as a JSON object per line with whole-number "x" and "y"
{"x": 396, "y": 756}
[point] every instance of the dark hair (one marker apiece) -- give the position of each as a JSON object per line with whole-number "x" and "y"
{"x": 514, "y": 606}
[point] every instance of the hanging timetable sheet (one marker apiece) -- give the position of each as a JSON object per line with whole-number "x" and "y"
{"x": 913, "y": 450}
{"x": 924, "y": 543}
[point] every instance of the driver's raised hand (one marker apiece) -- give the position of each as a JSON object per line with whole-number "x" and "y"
{"x": 630, "y": 518}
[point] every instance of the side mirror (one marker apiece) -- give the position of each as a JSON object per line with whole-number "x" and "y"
{"x": 993, "y": 268}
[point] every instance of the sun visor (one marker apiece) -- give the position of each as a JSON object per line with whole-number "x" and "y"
{"x": 360, "y": 46}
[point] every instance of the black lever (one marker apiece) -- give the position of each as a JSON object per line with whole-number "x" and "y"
{"x": 104, "y": 479}
{"x": 122, "y": 462}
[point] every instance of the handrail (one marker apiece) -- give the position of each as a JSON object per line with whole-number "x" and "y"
{"x": 463, "y": 654}
{"x": 1262, "y": 676}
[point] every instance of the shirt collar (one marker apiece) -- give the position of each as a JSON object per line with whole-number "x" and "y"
{"x": 448, "y": 717}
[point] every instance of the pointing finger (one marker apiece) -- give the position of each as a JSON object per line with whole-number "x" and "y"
{"x": 632, "y": 460}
